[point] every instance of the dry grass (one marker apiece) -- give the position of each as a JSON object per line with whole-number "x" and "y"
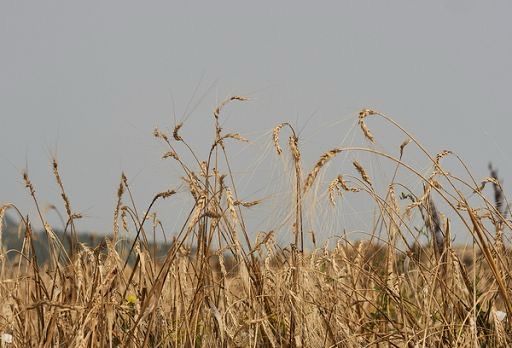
{"x": 216, "y": 287}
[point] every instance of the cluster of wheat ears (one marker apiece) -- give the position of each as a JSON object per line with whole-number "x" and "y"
{"x": 216, "y": 287}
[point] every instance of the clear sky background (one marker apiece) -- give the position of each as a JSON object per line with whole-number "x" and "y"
{"x": 88, "y": 81}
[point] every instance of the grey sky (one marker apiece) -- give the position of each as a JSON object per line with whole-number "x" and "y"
{"x": 89, "y": 80}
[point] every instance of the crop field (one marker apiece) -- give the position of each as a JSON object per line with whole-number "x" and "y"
{"x": 222, "y": 284}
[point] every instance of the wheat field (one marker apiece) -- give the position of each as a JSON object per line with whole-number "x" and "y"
{"x": 221, "y": 285}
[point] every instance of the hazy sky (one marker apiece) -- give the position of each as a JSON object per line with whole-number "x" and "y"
{"x": 89, "y": 80}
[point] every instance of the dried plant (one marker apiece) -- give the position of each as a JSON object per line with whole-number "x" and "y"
{"x": 275, "y": 137}
{"x": 362, "y": 115}
{"x": 215, "y": 286}
{"x": 175, "y": 134}
{"x": 321, "y": 162}
{"x": 362, "y": 172}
